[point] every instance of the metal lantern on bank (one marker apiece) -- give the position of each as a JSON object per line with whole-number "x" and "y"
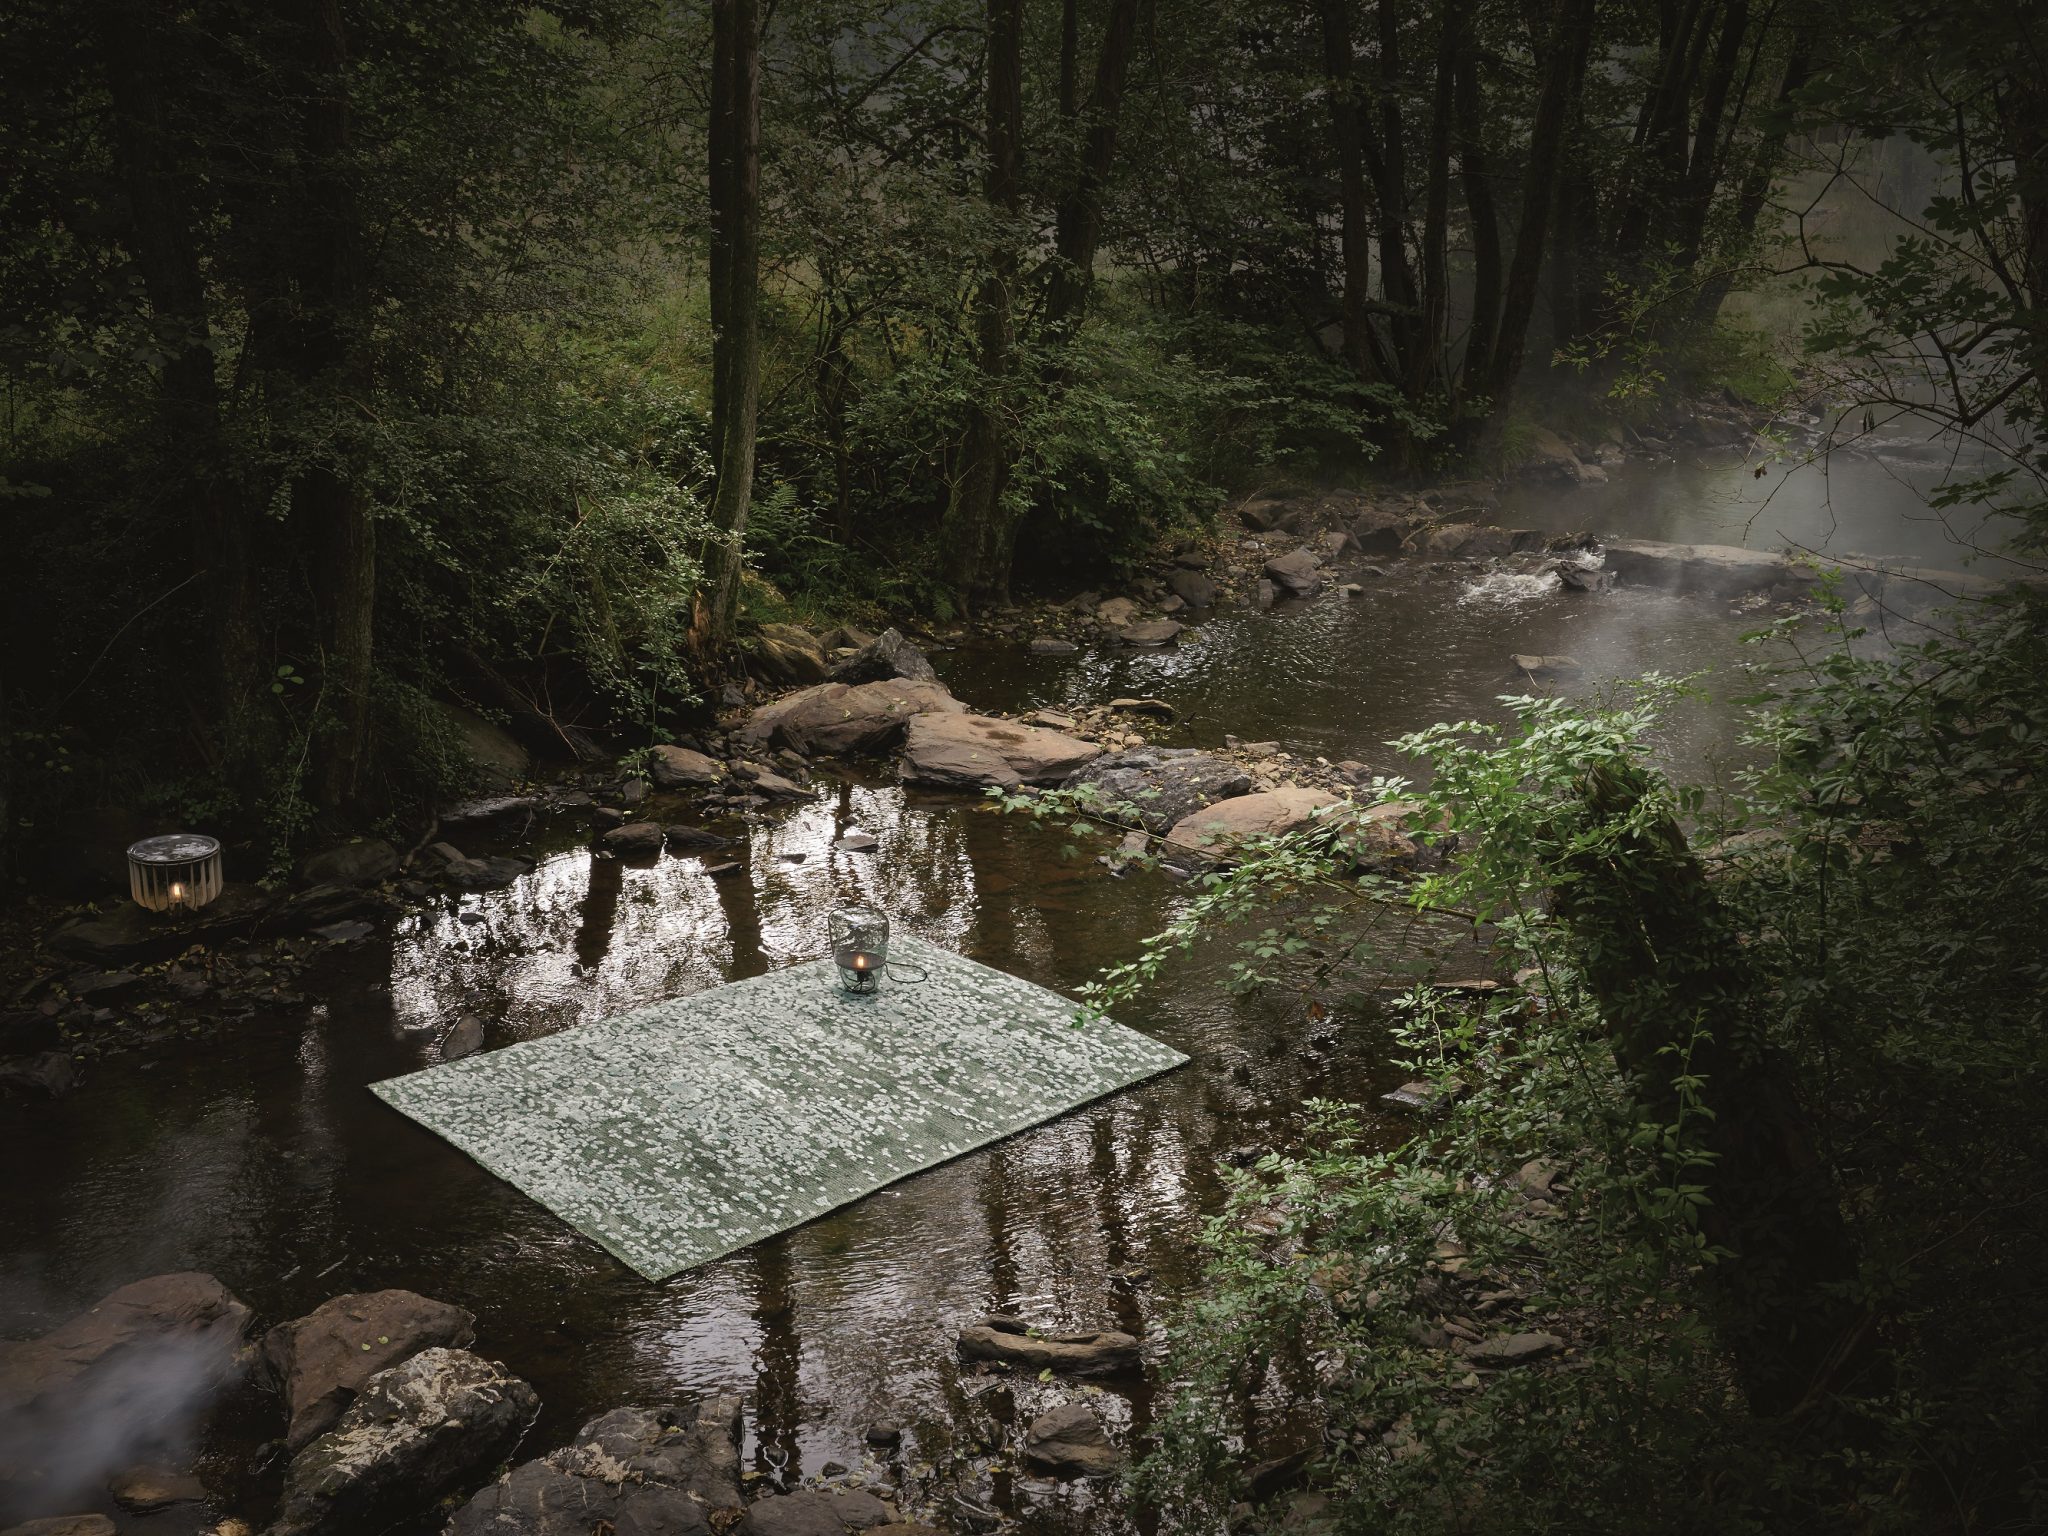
{"x": 178, "y": 871}
{"x": 860, "y": 947}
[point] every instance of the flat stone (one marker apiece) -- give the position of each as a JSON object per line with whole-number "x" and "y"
{"x": 492, "y": 874}
{"x": 1116, "y": 612}
{"x": 1151, "y": 632}
{"x": 815, "y": 1512}
{"x": 1411, "y": 1099}
{"x": 145, "y": 1490}
{"x": 784, "y": 653}
{"x": 673, "y": 767}
{"x": 1512, "y": 1349}
{"x": 1725, "y": 570}
{"x": 1158, "y": 708}
{"x": 837, "y": 718}
{"x": 465, "y": 1037}
{"x": 1070, "y": 1441}
{"x": 635, "y": 840}
{"x": 344, "y": 932}
{"x": 857, "y": 842}
{"x": 687, "y": 839}
{"x": 319, "y": 1362}
{"x": 64, "y": 1525}
{"x": 1218, "y": 829}
{"x": 1052, "y": 645}
{"x": 474, "y": 813}
{"x": 1546, "y": 668}
{"x": 1103, "y": 1352}
{"x": 125, "y": 933}
{"x": 975, "y": 751}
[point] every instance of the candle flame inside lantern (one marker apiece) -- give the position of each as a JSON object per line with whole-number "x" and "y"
{"x": 177, "y": 890}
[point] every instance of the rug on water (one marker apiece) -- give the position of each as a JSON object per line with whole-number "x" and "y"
{"x": 677, "y": 1133}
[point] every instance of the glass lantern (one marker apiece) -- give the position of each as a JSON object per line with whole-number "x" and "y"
{"x": 181, "y": 870}
{"x": 860, "y": 947}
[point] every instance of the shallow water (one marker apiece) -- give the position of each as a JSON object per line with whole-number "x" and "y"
{"x": 261, "y": 1157}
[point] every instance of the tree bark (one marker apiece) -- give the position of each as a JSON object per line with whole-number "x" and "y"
{"x": 735, "y": 187}
{"x": 1763, "y": 170}
{"x": 1475, "y": 174}
{"x": 343, "y": 543}
{"x": 1355, "y": 210}
{"x": 1570, "y": 37}
{"x": 162, "y": 232}
{"x": 977, "y": 532}
{"x": 1078, "y": 219}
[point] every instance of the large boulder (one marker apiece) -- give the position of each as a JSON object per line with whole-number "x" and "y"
{"x": 125, "y": 933}
{"x": 1217, "y": 830}
{"x": 1158, "y": 786}
{"x": 1070, "y": 1441}
{"x": 1546, "y": 456}
{"x": 633, "y": 1471}
{"x": 887, "y": 655}
{"x": 1300, "y": 573}
{"x": 974, "y": 752}
{"x": 496, "y": 757}
{"x": 783, "y": 653}
{"x": 319, "y": 1362}
{"x": 363, "y": 862}
{"x": 1195, "y": 588}
{"x": 415, "y": 1433}
{"x": 672, "y": 767}
{"x": 116, "y": 1385}
{"x": 1150, "y": 632}
{"x": 1725, "y": 570}
{"x": 833, "y": 719}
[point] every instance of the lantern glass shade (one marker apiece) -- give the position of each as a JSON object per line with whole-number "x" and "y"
{"x": 181, "y": 870}
{"x": 860, "y": 947}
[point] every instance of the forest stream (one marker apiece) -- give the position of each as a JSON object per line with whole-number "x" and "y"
{"x": 260, "y": 1157}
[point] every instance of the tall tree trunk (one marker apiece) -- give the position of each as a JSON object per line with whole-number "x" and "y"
{"x": 162, "y": 232}
{"x": 1078, "y": 219}
{"x": 1475, "y": 174}
{"x": 1355, "y": 209}
{"x": 977, "y": 532}
{"x": 735, "y": 185}
{"x": 343, "y": 537}
{"x": 1763, "y": 170}
{"x": 1569, "y": 38}
{"x": 1703, "y": 168}
{"x": 1426, "y": 369}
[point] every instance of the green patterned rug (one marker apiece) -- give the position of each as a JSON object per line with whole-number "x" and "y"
{"x": 679, "y": 1132}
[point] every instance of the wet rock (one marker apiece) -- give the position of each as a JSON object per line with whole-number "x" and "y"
{"x": 106, "y": 1388}
{"x": 815, "y": 1512}
{"x": 320, "y": 1362}
{"x": 1300, "y": 573}
{"x": 634, "y": 792}
{"x": 1052, "y": 645}
{"x": 1160, "y": 786}
{"x": 633, "y": 1471}
{"x": 145, "y": 1490}
{"x": 1546, "y": 456}
{"x": 1172, "y": 603}
{"x": 1505, "y": 1350}
{"x": 1271, "y": 514}
{"x": 783, "y": 653}
{"x": 1116, "y": 612}
{"x": 836, "y": 718}
{"x": 766, "y": 781}
{"x": 1268, "y": 594}
{"x": 1419, "y": 1099}
{"x": 635, "y": 840}
{"x": 1379, "y": 534}
{"x": 858, "y": 842}
{"x": 1228, "y": 824}
{"x": 1151, "y": 632}
{"x": 359, "y": 863}
{"x": 492, "y": 874}
{"x": 1543, "y": 669}
{"x": 417, "y": 1431}
{"x": 1011, "y": 1341}
{"x": 344, "y": 932}
{"x": 1070, "y": 1441}
{"x": 102, "y": 986}
{"x": 125, "y": 933}
{"x": 887, "y": 655}
{"x": 722, "y": 871}
{"x": 496, "y": 808}
{"x": 674, "y": 767}
{"x": 64, "y": 1525}
{"x": 1159, "y": 709}
{"x": 884, "y": 1433}
{"x": 45, "y": 1075}
{"x": 685, "y": 839}
{"x": 465, "y": 1037}
{"x": 1724, "y": 570}
{"x": 604, "y": 817}
{"x": 962, "y": 751}
{"x": 326, "y": 903}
